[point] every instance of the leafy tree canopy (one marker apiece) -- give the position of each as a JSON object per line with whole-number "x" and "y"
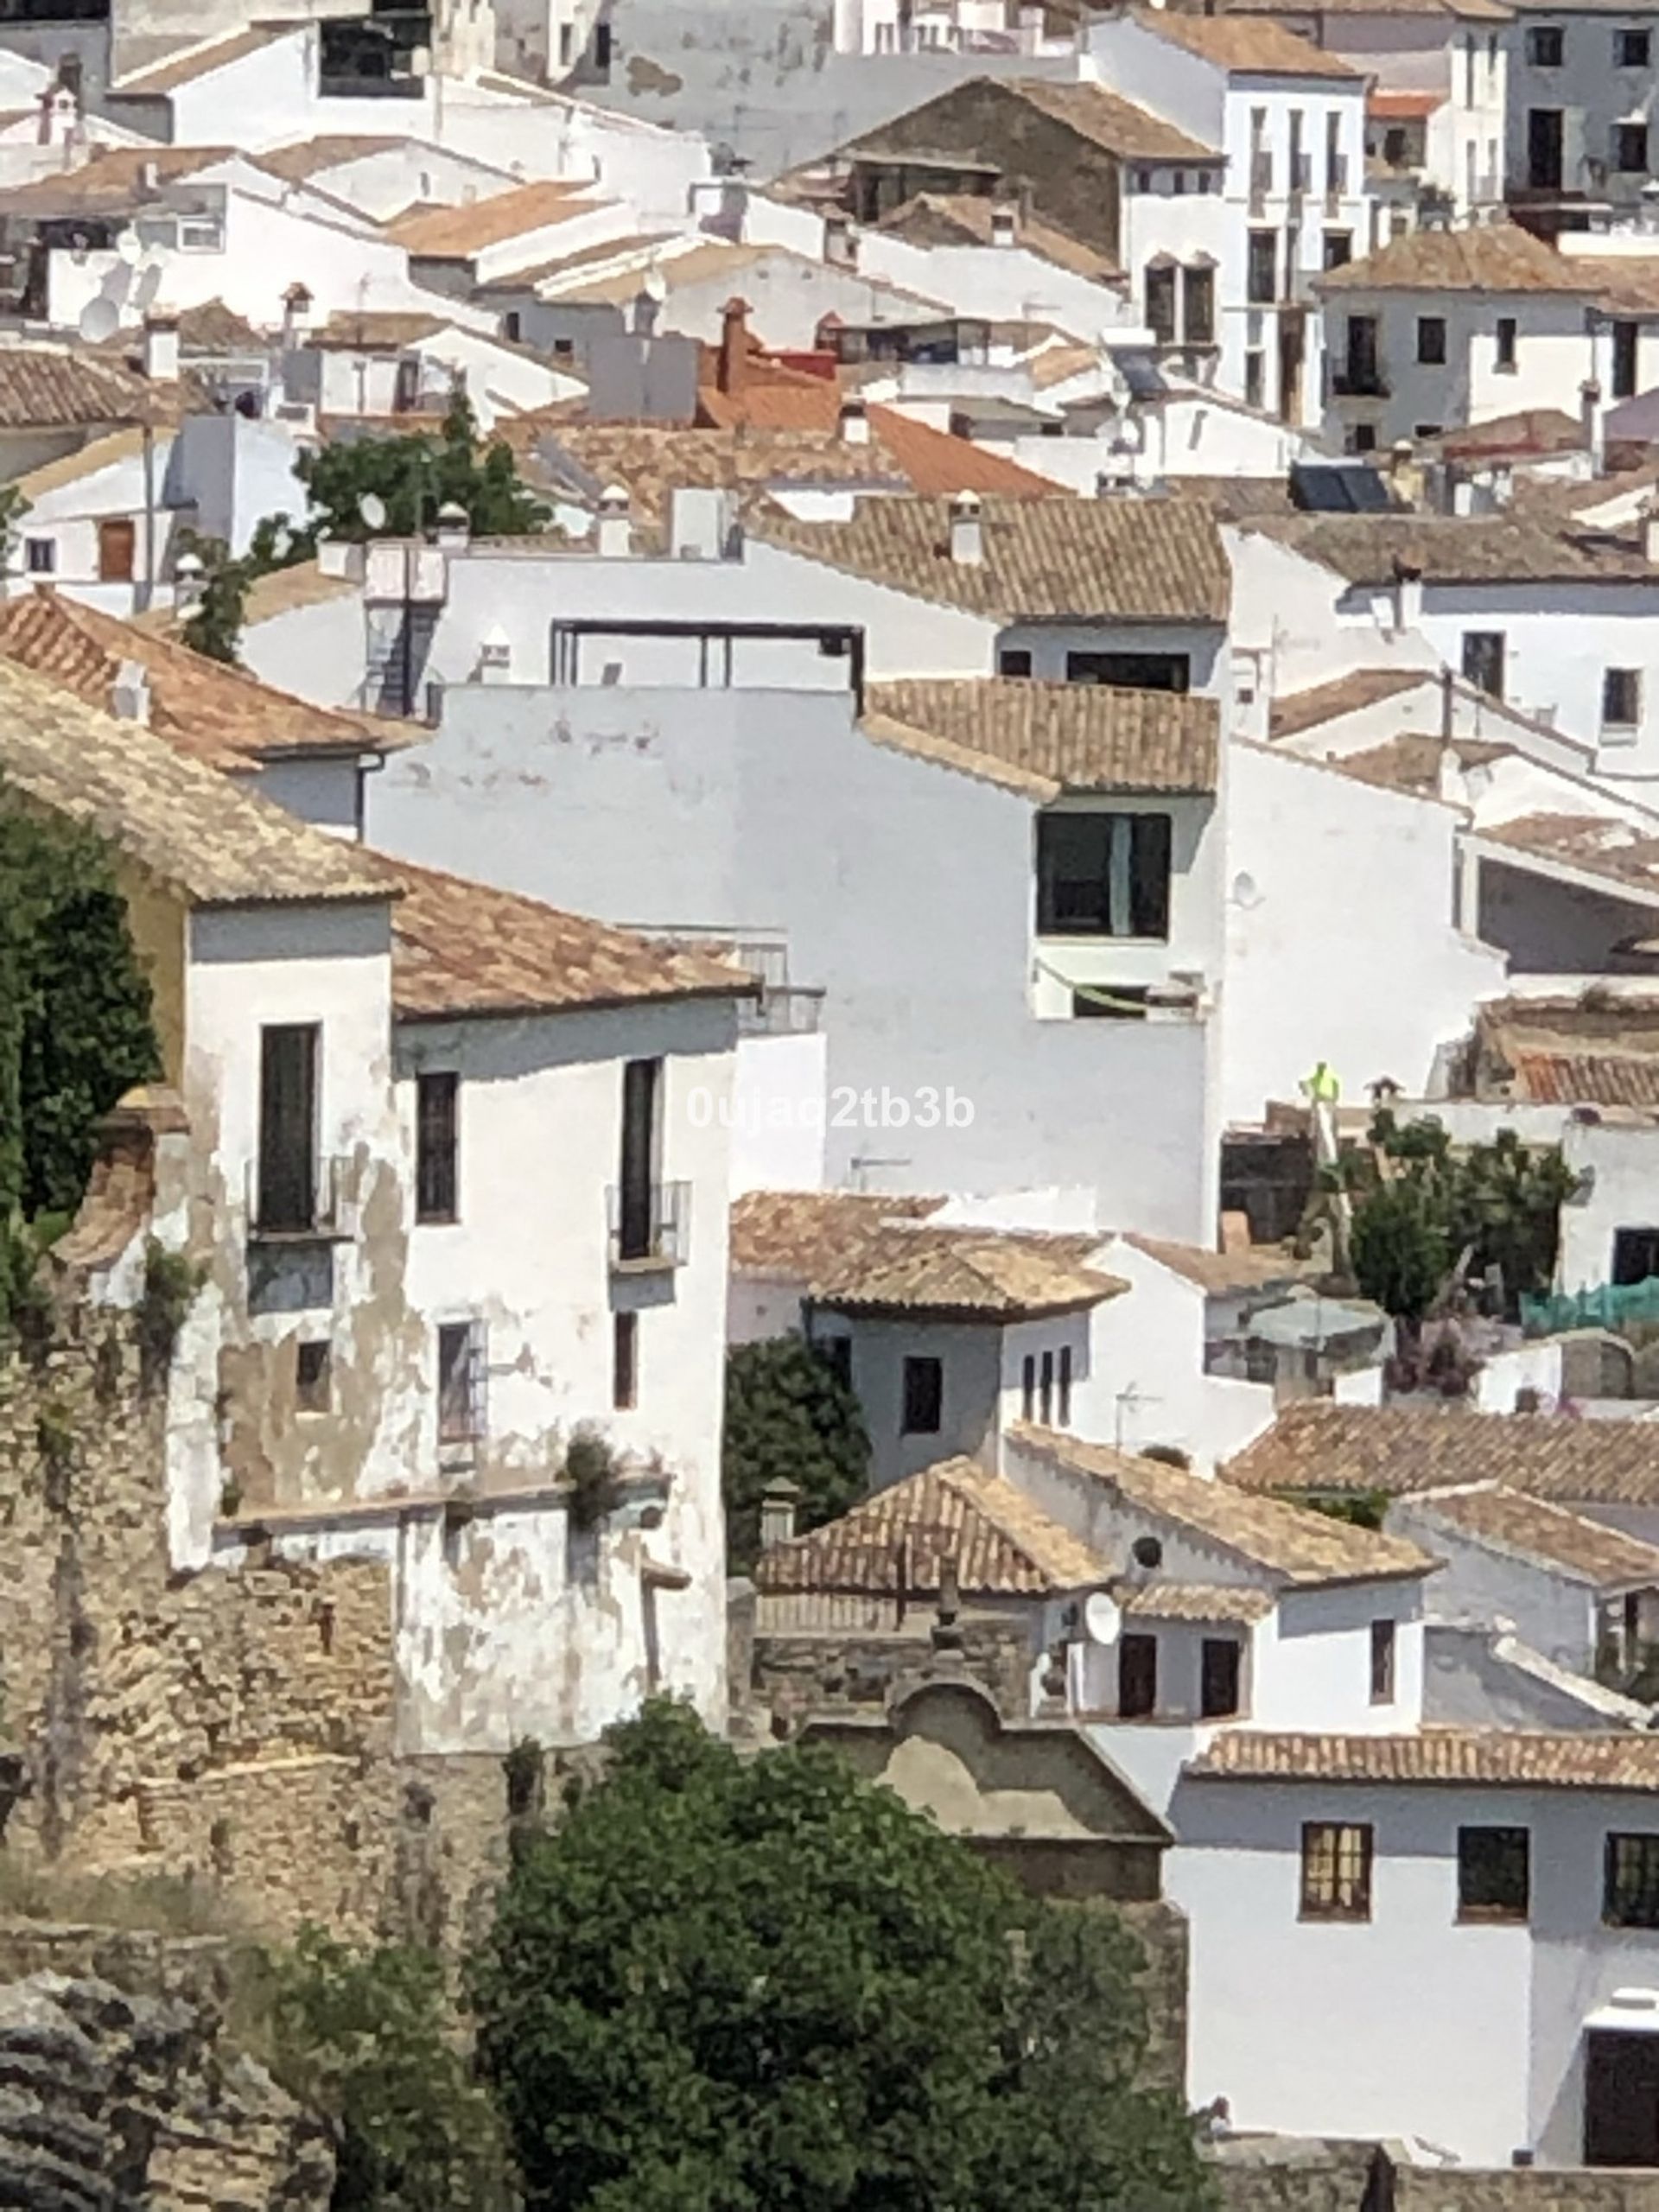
{"x": 789, "y": 1418}
{"x": 415, "y": 475}
{"x": 730, "y": 1984}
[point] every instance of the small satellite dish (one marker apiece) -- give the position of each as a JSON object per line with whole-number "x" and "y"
{"x": 373, "y": 508}
{"x": 127, "y": 248}
{"x": 1246, "y": 892}
{"x": 100, "y": 319}
{"x": 1103, "y": 1617}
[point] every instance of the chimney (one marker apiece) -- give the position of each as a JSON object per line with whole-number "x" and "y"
{"x": 150, "y": 177}
{"x": 1401, "y": 473}
{"x": 60, "y": 116}
{"x": 296, "y": 313}
{"x": 455, "y": 527}
{"x": 1592, "y": 419}
{"x": 732, "y": 368}
{"x": 853, "y": 423}
{"x": 613, "y": 531}
{"x": 1005, "y": 223}
{"x": 839, "y": 244}
{"x": 1502, "y": 484}
{"x": 1116, "y": 479}
{"x": 495, "y": 656}
{"x": 187, "y": 580}
{"x": 647, "y": 304}
{"x": 162, "y": 348}
{"x": 1408, "y": 596}
{"x": 130, "y": 694}
{"x": 1650, "y": 533}
{"x": 966, "y": 535}
{"x": 777, "y": 1502}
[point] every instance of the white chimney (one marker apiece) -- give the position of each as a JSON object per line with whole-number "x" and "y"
{"x": 1408, "y": 597}
{"x": 777, "y": 1502}
{"x": 853, "y": 423}
{"x": 455, "y": 527}
{"x": 130, "y": 694}
{"x": 60, "y": 116}
{"x": 839, "y": 245}
{"x": 613, "y": 531}
{"x": 1592, "y": 418}
{"x": 162, "y": 348}
{"x": 495, "y": 656}
{"x": 296, "y": 313}
{"x": 150, "y": 177}
{"x": 1005, "y": 223}
{"x": 1502, "y": 484}
{"x": 967, "y": 534}
{"x": 187, "y": 580}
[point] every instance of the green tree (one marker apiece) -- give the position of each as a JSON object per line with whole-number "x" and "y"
{"x": 364, "y": 2036}
{"x": 214, "y": 626}
{"x": 729, "y": 1984}
{"x": 413, "y": 476}
{"x": 1400, "y": 1249}
{"x": 789, "y": 1418}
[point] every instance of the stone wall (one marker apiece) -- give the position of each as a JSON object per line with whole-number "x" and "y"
{"x": 793, "y": 1672}
{"x": 1285, "y": 2175}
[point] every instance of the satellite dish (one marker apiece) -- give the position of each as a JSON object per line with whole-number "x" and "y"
{"x": 127, "y": 248}
{"x": 100, "y": 319}
{"x": 1103, "y": 1617}
{"x": 373, "y": 508}
{"x": 1247, "y": 892}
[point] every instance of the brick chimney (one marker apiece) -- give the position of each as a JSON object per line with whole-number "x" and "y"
{"x": 732, "y": 370}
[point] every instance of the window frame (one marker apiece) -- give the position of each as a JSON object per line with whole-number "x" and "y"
{"x": 437, "y": 1147}
{"x": 1160, "y": 295}
{"x": 1493, "y": 1911}
{"x": 1431, "y": 341}
{"x": 47, "y": 547}
{"x": 1014, "y": 661}
{"x": 1136, "y": 1647}
{"x": 1546, "y": 46}
{"x": 288, "y": 1165}
{"x": 1625, "y": 145}
{"x": 314, "y": 1391}
{"x": 1131, "y": 881}
{"x": 1506, "y": 344}
{"x": 624, "y": 1359}
{"x": 1234, "y": 1646}
{"x": 1490, "y": 646}
{"x": 462, "y": 1350}
{"x": 1356, "y": 1910}
{"x": 1063, "y": 1390}
{"x": 1623, "y": 38}
{"x": 1198, "y": 304}
{"x": 1621, "y": 686}
{"x": 1261, "y": 265}
{"x": 922, "y": 1394}
{"x": 1648, "y": 1890}
{"x": 1384, "y": 1658}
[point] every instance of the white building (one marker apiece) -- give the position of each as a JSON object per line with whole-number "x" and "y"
{"x": 1580, "y": 103}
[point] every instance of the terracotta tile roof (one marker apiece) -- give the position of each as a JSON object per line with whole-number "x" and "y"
{"x": 1566, "y": 1052}
{"x": 98, "y": 454}
{"x": 1388, "y": 105}
{"x": 1486, "y": 258}
{"x": 221, "y": 715}
{"x": 1301, "y": 1549}
{"x": 638, "y": 250}
{"x": 111, "y": 180}
{"x": 49, "y": 388}
{"x": 285, "y": 589}
{"x": 1146, "y": 560}
{"x": 1096, "y": 115}
{"x": 1529, "y": 431}
{"x": 374, "y": 331}
{"x": 1514, "y": 547}
{"x": 209, "y": 329}
{"x": 310, "y": 157}
{"x": 892, "y": 1545}
{"x": 1596, "y": 843}
{"x": 453, "y": 233}
{"x": 1630, "y": 284}
{"x": 857, "y": 1253}
{"x": 1485, "y": 11}
{"x": 465, "y": 949}
{"x": 1509, "y": 1520}
{"x": 1058, "y": 364}
{"x": 1220, "y": 1273}
{"x": 962, "y": 218}
{"x": 177, "y": 819}
{"x": 196, "y": 61}
{"x": 1327, "y": 1448}
{"x": 1411, "y": 763}
{"x": 1345, "y": 695}
{"x": 1486, "y": 1758}
{"x": 1046, "y": 738}
{"x": 1193, "y": 1601}
{"x": 1244, "y": 46}
{"x": 1106, "y": 119}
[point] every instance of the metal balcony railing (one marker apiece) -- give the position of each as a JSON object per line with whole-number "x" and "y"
{"x": 289, "y": 1206}
{"x": 1359, "y": 384}
{"x": 649, "y": 1229}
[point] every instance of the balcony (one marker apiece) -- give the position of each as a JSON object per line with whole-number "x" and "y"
{"x": 1353, "y": 382}
{"x": 289, "y": 1204}
{"x": 649, "y": 1229}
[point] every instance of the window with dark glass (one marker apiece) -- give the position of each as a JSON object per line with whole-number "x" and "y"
{"x": 1131, "y": 672}
{"x": 1137, "y": 1676}
{"x": 436, "y": 1144}
{"x": 1336, "y": 1871}
{"x": 1382, "y": 1643}
{"x": 1635, "y": 1255}
{"x": 40, "y": 556}
{"x": 1046, "y": 1392}
{"x": 1625, "y": 336}
{"x": 1028, "y": 1388}
{"x": 1261, "y": 280}
{"x": 286, "y": 1195}
{"x": 1507, "y": 333}
{"x": 1102, "y": 875}
{"x": 642, "y": 1085}
{"x": 1219, "y": 1669}
{"x": 1494, "y": 1873}
{"x": 1630, "y": 1881}
{"x": 1198, "y": 306}
{"x": 1161, "y": 301}
{"x": 461, "y": 1372}
{"x": 1338, "y": 250}
{"x": 1621, "y": 698}
{"x": 1361, "y": 364}
{"x": 1063, "y": 1410}
{"x": 1431, "y": 340}
{"x": 1632, "y": 49}
{"x": 838, "y": 1351}
{"x": 313, "y": 1374}
{"x": 923, "y": 1384}
{"x": 1014, "y": 660}
{"x": 1483, "y": 661}
{"x": 1546, "y": 46}
{"x": 1255, "y": 376}
{"x": 625, "y": 1360}
{"x": 1630, "y": 148}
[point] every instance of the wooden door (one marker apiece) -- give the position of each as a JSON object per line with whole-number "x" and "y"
{"x": 117, "y": 550}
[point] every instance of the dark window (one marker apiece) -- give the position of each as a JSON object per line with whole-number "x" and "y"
{"x": 313, "y": 1373}
{"x": 1261, "y": 282}
{"x": 1063, "y": 1411}
{"x": 1630, "y": 148}
{"x": 1102, "y": 875}
{"x": 1198, "y": 306}
{"x": 1137, "y": 1676}
{"x": 838, "y": 1351}
{"x": 642, "y": 1089}
{"x": 1336, "y": 1871}
{"x": 1143, "y": 180}
{"x": 1494, "y": 1873}
{"x": 1360, "y": 364}
{"x": 1631, "y": 49}
{"x": 625, "y": 1360}
{"x": 40, "y": 554}
{"x": 601, "y": 46}
{"x": 923, "y": 1396}
{"x": 436, "y": 1140}
{"x": 1382, "y": 1641}
{"x": 286, "y": 1195}
{"x": 1338, "y": 249}
{"x": 1120, "y": 1003}
{"x": 1625, "y": 335}
{"x": 1635, "y": 1255}
{"x": 1506, "y": 339}
{"x": 1028, "y": 1389}
{"x": 1631, "y": 1891}
{"x": 1218, "y": 1677}
{"x": 1546, "y": 45}
{"x": 1621, "y": 698}
{"x": 1014, "y": 660}
{"x": 461, "y": 1382}
{"x": 1426, "y": 429}
{"x": 1394, "y": 144}
{"x": 1431, "y": 339}
{"x": 1546, "y": 147}
{"x": 1046, "y": 1393}
{"x": 1161, "y": 301}
{"x": 1255, "y": 378}
{"x": 564, "y": 349}
{"x": 1483, "y": 661}
{"x": 1131, "y": 671}
{"x": 513, "y": 323}
{"x": 1362, "y": 438}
